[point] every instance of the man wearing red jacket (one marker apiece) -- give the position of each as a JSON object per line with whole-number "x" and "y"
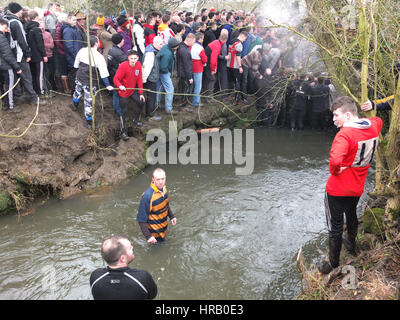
{"x": 212, "y": 51}
{"x": 351, "y": 156}
{"x": 128, "y": 79}
{"x": 199, "y": 61}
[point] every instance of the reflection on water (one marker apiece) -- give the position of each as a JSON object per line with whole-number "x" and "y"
{"x": 236, "y": 236}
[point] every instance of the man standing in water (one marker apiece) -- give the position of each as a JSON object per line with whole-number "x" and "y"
{"x": 154, "y": 209}
{"x": 117, "y": 281}
{"x": 351, "y": 156}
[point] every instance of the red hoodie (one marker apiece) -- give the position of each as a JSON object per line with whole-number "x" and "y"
{"x": 351, "y": 156}
{"x": 129, "y": 77}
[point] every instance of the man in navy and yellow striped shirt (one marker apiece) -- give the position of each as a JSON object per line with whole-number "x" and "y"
{"x": 154, "y": 209}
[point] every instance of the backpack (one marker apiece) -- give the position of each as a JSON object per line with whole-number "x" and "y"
{"x": 14, "y": 43}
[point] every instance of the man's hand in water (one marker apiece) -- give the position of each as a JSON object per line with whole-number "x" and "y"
{"x": 152, "y": 240}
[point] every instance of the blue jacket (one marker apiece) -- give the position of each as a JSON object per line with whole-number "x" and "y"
{"x": 246, "y": 44}
{"x": 229, "y": 28}
{"x": 72, "y": 43}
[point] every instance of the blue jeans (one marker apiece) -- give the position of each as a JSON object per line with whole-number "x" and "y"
{"x": 166, "y": 82}
{"x": 116, "y": 105}
{"x": 195, "y": 88}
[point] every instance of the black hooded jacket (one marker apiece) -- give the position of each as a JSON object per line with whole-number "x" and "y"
{"x": 34, "y": 37}
{"x": 320, "y": 97}
{"x": 7, "y": 58}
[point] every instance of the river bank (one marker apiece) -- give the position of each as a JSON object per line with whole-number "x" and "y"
{"x": 59, "y": 156}
{"x": 371, "y": 275}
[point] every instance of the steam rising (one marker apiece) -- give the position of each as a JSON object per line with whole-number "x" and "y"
{"x": 290, "y": 13}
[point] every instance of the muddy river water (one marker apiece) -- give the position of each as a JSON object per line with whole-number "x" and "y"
{"x": 237, "y": 237}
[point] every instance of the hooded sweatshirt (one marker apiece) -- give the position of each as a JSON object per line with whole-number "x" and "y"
{"x": 34, "y": 37}
{"x": 351, "y": 156}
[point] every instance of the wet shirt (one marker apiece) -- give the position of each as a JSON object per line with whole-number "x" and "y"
{"x": 154, "y": 210}
{"x": 122, "y": 284}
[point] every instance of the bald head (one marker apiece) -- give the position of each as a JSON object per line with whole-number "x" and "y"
{"x": 223, "y": 35}
{"x": 158, "y": 172}
{"x": 176, "y": 19}
{"x": 159, "y": 178}
{"x": 158, "y": 42}
{"x": 113, "y": 248}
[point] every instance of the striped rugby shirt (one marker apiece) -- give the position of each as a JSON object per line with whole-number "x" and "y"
{"x": 154, "y": 211}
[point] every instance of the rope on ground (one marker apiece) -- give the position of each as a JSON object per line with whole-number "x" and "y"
{"x": 27, "y": 128}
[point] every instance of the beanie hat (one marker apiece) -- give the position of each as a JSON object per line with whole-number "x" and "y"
{"x": 195, "y": 26}
{"x": 172, "y": 43}
{"x": 14, "y": 7}
{"x": 109, "y": 22}
{"x": 116, "y": 38}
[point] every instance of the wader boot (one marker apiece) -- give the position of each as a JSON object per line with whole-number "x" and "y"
{"x": 90, "y": 124}
{"x": 124, "y": 135}
{"x": 335, "y": 246}
{"x": 237, "y": 99}
{"x": 349, "y": 243}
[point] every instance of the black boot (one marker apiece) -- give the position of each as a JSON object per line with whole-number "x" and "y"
{"x": 74, "y": 105}
{"x": 237, "y": 99}
{"x": 349, "y": 243}
{"x": 335, "y": 246}
{"x": 124, "y": 135}
{"x": 244, "y": 100}
{"x": 89, "y": 124}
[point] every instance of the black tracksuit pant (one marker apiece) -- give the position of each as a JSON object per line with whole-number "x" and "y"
{"x": 124, "y": 102}
{"x": 334, "y": 208}
{"x": 150, "y": 98}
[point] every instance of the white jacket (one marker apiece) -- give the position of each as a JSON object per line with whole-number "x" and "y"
{"x": 148, "y": 64}
{"x": 139, "y": 35}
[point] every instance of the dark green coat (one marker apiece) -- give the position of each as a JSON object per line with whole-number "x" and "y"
{"x": 167, "y": 59}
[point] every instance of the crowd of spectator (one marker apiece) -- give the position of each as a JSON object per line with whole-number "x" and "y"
{"x": 158, "y": 61}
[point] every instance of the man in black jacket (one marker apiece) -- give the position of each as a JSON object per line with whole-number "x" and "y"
{"x": 320, "y": 103}
{"x": 298, "y": 109}
{"x": 117, "y": 281}
{"x": 264, "y": 102}
{"x": 185, "y": 67}
{"x": 34, "y": 37}
{"x": 115, "y": 57}
{"x": 210, "y": 35}
{"x": 8, "y": 66}
{"x": 22, "y": 51}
